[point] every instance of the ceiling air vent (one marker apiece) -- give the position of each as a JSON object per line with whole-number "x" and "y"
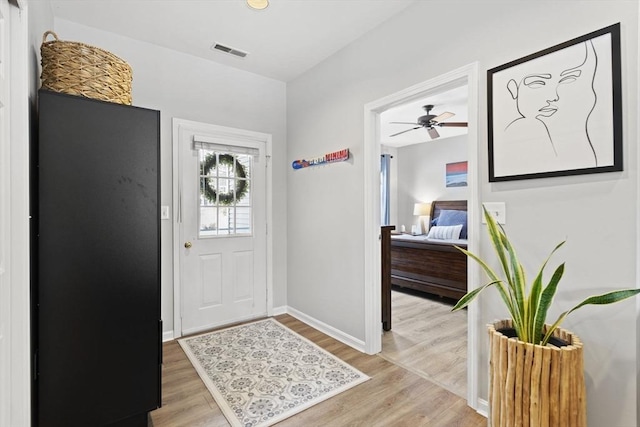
{"x": 229, "y": 50}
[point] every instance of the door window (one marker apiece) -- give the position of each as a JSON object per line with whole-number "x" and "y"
{"x": 225, "y": 193}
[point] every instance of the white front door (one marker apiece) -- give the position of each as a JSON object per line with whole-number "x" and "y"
{"x": 222, "y": 229}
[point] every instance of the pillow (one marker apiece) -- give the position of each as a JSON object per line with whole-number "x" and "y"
{"x": 445, "y": 232}
{"x": 451, "y": 217}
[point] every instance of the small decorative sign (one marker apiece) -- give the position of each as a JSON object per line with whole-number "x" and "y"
{"x": 336, "y": 156}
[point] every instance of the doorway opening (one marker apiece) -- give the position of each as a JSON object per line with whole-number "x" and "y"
{"x": 425, "y": 138}
{"x": 464, "y": 77}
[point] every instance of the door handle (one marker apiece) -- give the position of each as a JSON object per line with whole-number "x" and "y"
{"x": 188, "y": 245}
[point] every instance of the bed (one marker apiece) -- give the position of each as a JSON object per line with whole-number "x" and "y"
{"x": 430, "y": 263}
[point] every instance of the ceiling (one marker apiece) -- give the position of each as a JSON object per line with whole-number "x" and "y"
{"x": 452, "y": 100}
{"x": 283, "y": 41}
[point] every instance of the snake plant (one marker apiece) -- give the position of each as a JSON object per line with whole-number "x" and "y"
{"x": 528, "y": 311}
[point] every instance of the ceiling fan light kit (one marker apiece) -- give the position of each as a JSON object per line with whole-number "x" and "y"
{"x": 258, "y": 4}
{"x": 429, "y": 121}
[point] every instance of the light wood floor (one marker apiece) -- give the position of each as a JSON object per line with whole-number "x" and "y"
{"x": 392, "y": 397}
{"x": 428, "y": 339}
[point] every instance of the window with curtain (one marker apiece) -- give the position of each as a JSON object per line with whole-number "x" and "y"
{"x": 385, "y": 188}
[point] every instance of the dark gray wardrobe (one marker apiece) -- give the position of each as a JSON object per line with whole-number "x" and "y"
{"x": 97, "y": 333}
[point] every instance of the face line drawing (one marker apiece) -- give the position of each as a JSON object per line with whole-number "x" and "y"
{"x": 595, "y": 94}
{"x": 513, "y": 87}
{"x": 537, "y": 81}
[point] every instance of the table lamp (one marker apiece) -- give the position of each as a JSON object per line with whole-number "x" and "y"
{"x": 421, "y": 210}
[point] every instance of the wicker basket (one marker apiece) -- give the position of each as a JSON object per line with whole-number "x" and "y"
{"x": 80, "y": 69}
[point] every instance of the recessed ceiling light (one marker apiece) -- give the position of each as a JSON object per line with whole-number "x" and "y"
{"x": 258, "y": 4}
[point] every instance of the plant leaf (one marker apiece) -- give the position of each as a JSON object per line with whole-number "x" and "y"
{"x": 498, "y": 239}
{"x": 493, "y": 276}
{"x": 470, "y": 296}
{"x": 535, "y": 323}
{"x": 608, "y": 298}
{"x": 517, "y": 283}
{"x": 546, "y": 298}
{"x": 533, "y": 302}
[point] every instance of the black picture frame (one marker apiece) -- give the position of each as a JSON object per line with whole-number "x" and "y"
{"x": 557, "y": 112}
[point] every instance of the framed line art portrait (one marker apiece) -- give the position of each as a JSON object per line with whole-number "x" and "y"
{"x": 557, "y": 112}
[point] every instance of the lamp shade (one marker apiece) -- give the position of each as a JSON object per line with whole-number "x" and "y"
{"x": 258, "y": 4}
{"x": 422, "y": 209}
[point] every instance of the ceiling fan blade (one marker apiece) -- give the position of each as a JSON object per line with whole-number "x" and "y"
{"x": 433, "y": 133}
{"x": 408, "y": 130}
{"x": 444, "y": 116}
{"x": 404, "y": 123}
{"x": 453, "y": 124}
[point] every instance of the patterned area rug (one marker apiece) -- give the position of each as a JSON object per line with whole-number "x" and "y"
{"x": 263, "y": 372}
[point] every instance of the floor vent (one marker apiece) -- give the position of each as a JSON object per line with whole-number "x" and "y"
{"x": 229, "y": 50}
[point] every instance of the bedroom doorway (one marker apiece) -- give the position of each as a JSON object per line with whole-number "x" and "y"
{"x": 428, "y": 276}
{"x": 465, "y": 76}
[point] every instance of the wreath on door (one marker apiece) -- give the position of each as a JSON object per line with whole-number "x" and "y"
{"x": 241, "y": 187}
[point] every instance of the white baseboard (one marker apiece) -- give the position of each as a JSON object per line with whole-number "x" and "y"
{"x": 327, "y": 329}
{"x": 315, "y": 323}
{"x": 167, "y": 336}
{"x": 279, "y": 310}
{"x": 483, "y": 408}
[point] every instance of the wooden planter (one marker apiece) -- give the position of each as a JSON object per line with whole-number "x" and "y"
{"x": 533, "y": 385}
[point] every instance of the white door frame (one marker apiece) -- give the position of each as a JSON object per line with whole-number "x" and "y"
{"x": 15, "y": 211}
{"x": 180, "y": 126}
{"x": 371, "y": 153}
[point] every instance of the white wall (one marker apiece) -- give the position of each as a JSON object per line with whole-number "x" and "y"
{"x": 191, "y": 88}
{"x": 596, "y": 212}
{"x": 421, "y": 174}
{"x": 40, "y": 20}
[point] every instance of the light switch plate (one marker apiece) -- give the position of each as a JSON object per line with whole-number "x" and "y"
{"x": 164, "y": 212}
{"x": 498, "y": 210}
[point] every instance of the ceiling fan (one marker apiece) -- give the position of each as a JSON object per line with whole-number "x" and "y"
{"x": 430, "y": 121}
